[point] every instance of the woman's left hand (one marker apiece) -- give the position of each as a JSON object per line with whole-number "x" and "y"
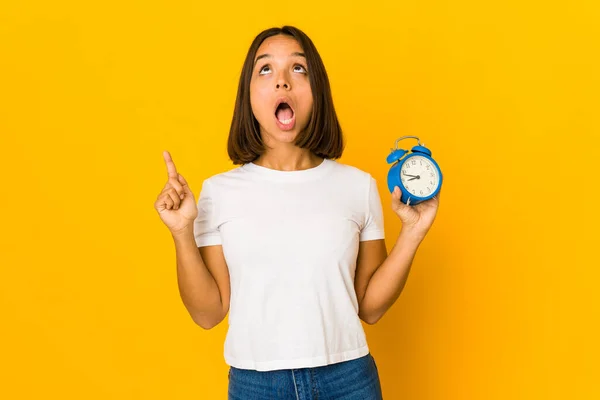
{"x": 419, "y": 218}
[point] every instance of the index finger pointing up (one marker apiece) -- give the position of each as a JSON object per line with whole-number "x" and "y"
{"x": 170, "y": 165}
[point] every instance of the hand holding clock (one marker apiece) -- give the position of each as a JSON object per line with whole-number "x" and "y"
{"x": 417, "y": 218}
{"x": 423, "y": 194}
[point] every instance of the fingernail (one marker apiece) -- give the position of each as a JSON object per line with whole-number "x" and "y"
{"x": 181, "y": 197}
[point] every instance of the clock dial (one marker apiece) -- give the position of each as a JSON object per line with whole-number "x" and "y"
{"x": 419, "y": 176}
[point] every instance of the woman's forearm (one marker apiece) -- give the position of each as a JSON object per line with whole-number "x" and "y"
{"x": 387, "y": 282}
{"x": 197, "y": 287}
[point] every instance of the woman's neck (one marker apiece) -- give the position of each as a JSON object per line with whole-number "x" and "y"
{"x": 288, "y": 161}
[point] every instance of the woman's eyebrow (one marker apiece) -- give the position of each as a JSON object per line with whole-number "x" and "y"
{"x": 295, "y": 54}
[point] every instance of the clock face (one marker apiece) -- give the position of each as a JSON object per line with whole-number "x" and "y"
{"x": 419, "y": 176}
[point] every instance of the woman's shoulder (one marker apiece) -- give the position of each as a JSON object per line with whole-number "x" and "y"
{"x": 352, "y": 171}
{"x": 232, "y": 173}
{"x": 219, "y": 181}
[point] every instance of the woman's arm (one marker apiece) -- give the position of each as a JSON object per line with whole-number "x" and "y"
{"x": 379, "y": 283}
{"x": 198, "y": 288}
{"x": 383, "y": 281}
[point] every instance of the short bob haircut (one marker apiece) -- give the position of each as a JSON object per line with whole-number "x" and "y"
{"x": 322, "y": 135}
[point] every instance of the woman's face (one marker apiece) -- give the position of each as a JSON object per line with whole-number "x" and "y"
{"x": 280, "y": 76}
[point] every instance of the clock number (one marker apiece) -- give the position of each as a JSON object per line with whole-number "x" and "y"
{"x": 414, "y": 162}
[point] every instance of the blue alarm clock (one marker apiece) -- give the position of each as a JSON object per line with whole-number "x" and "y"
{"x": 417, "y": 174}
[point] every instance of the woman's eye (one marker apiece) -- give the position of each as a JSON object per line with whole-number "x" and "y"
{"x": 303, "y": 70}
{"x": 266, "y": 69}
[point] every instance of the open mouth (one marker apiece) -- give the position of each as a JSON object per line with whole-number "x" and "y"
{"x": 285, "y": 116}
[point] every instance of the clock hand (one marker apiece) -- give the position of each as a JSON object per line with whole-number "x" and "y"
{"x": 416, "y": 177}
{"x": 409, "y": 175}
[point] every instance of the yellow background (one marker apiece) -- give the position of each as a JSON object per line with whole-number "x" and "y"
{"x": 501, "y": 300}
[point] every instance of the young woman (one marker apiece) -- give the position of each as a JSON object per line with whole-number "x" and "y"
{"x": 291, "y": 242}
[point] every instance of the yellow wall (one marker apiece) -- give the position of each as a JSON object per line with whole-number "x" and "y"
{"x": 500, "y": 302}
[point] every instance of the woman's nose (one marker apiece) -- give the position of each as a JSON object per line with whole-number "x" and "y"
{"x": 282, "y": 82}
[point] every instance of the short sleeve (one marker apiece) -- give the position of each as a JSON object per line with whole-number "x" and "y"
{"x": 373, "y": 227}
{"x": 206, "y": 232}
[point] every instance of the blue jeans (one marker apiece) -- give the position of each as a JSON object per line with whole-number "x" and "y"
{"x": 356, "y": 379}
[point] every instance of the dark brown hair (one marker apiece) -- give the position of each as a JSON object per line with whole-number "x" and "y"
{"x": 322, "y": 135}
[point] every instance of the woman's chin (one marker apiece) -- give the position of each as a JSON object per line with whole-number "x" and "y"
{"x": 278, "y": 136}
{"x": 285, "y": 136}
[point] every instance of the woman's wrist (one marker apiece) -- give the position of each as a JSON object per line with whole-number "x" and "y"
{"x": 184, "y": 232}
{"x": 411, "y": 235}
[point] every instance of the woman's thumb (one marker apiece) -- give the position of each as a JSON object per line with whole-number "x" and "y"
{"x": 396, "y": 194}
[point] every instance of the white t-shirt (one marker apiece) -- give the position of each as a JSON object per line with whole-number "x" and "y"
{"x": 290, "y": 240}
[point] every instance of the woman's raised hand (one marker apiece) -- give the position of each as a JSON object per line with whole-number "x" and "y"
{"x": 176, "y": 204}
